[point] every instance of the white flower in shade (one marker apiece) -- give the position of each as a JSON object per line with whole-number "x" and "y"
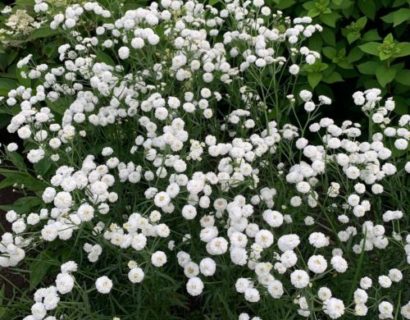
{"x": 64, "y": 283}
{"x": 162, "y": 199}
{"x": 136, "y": 275}
{"x": 195, "y": 286}
{"x": 207, "y": 266}
{"x": 103, "y": 285}
{"x": 317, "y": 264}
{"x": 264, "y": 238}
{"x": 63, "y": 200}
{"x": 334, "y": 308}
{"x": 339, "y": 264}
{"x": 158, "y": 258}
{"x": 124, "y": 53}
{"x": 252, "y": 295}
{"x": 288, "y": 242}
{"x": 275, "y": 289}
{"x": 85, "y": 212}
{"x": 299, "y": 279}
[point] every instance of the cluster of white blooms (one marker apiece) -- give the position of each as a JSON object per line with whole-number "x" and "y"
{"x": 47, "y": 299}
{"x": 172, "y": 153}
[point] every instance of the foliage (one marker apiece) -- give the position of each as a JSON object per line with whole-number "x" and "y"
{"x": 364, "y": 42}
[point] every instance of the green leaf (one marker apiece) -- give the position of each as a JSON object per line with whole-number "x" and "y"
{"x": 397, "y": 17}
{"x": 328, "y": 36}
{"x": 403, "y": 77}
{"x": 43, "y": 32}
{"x": 361, "y": 23}
{"x": 329, "y": 52}
{"x": 23, "y": 178}
{"x": 42, "y": 167}
{"x": 352, "y": 37}
{"x": 23, "y": 205}
{"x": 330, "y": 19}
{"x": 104, "y": 57}
{"x": 368, "y": 67}
{"x": 284, "y": 4}
{"x": 6, "y": 85}
{"x": 314, "y": 79}
{"x": 333, "y": 77}
{"x": 370, "y": 48}
{"x": 17, "y": 160}
{"x": 368, "y": 7}
{"x": 403, "y": 50}
{"x": 385, "y": 74}
{"x": 371, "y": 35}
{"x": 26, "y": 82}
{"x": 39, "y": 269}
{"x": 354, "y": 55}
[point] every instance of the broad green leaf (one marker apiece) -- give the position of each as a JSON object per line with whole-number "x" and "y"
{"x": 17, "y": 160}
{"x": 284, "y": 4}
{"x": 403, "y": 77}
{"x": 397, "y": 17}
{"x": 328, "y": 36}
{"x": 385, "y": 74}
{"x": 403, "y": 50}
{"x": 39, "y": 269}
{"x": 368, "y": 67}
{"x": 103, "y": 57}
{"x": 370, "y": 48}
{"x": 368, "y": 7}
{"x": 42, "y": 166}
{"x": 26, "y": 82}
{"x": 6, "y": 85}
{"x": 371, "y": 35}
{"x": 329, "y": 52}
{"x": 330, "y": 19}
{"x": 333, "y": 77}
{"x": 354, "y": 55}
{"x": 352, "y": 37}
{"x": 23, "y": 205}
{"x": 43, "y": 32}
{"x": 314, "y": 79}
{"x": 23, "y": 178}
{"x": 315, "y": 42}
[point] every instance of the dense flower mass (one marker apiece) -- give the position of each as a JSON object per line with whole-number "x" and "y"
{"x": 176, "y": 147}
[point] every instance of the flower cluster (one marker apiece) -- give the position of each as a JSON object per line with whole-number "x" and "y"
{"x": 170, "y": 152}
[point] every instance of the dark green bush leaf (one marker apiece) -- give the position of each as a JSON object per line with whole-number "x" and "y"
{"x": 368, "y": 67}
{"x": 385, "y": 75}
{"x": 397, "y": 17}
{"x": 370, "y": 48}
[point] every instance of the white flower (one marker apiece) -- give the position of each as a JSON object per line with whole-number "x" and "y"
{"x": 195, "y": 286}
{"x": 124, "y": 53}
{"x": 103, "y": 285}
{"x": 189, "y": 212}
{"x": 63, "y": 200}
{"x": 339, "y": 264}
{"x": 317, "y": 264}
{"x": 158, "y": 258}
{"x": 288, "y": 242}
{"x": 85, "y": 212}
{"x": 334, "y": 308}
{"x": 64, "y": 283}
{"x": 162, "y": 199}
{"x": 299, "y": 279}
{"x": 136, "y": 275}
{"x": 252, "y": 295}
{"x": 275, "y": 289}
{"x": 207, "y": 267}
{"x": 217, "y": 246}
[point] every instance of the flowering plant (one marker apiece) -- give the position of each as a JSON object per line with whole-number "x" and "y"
{"x": 170, "y": 172}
